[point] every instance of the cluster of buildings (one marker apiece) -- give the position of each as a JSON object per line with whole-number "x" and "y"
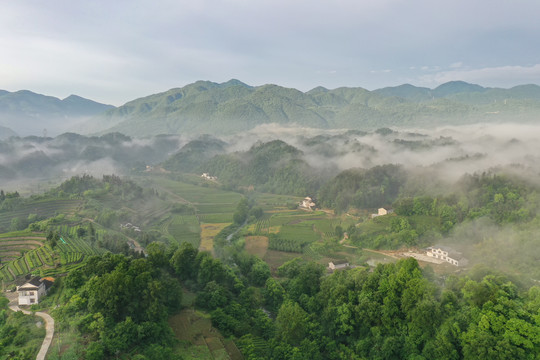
{"x": 130, "y": 226}
{"x": 447, "y": 254}
{"x": 207, "y": 176}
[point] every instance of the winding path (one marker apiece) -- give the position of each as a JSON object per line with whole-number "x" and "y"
{"x": 49, "y": 324}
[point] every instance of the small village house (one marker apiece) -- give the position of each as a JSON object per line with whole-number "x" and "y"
{"x": 32, "y": 291}
{"x": 382, "y": 211}
{"x": 308, "y": 203}
{"x": 338, "y": 265}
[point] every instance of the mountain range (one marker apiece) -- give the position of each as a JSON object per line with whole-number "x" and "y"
{"x": 226, "y": 108}
{"x": 233, "y": 106}
{"x": 27, "y": 113}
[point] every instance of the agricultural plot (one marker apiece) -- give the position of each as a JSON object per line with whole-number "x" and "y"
{"x": 198, "y": 194}
{"x": 16, "y": 249}
{"x": 257, "y": 245}
{"x": 184, "y": 228}
{"x": 273, "y": 202}
{"x": 216, "y": 218}
{"x": 204, "y": 341}
{"x": 43, "y": 208}
{"x": 149, "y": 212}
{"x": 213, "y": 205}
{"x": 302, "y": 232}
{"x": 34, "y": 254}
{"x": 293, "y": 237}
{"x": 208, "y": 232}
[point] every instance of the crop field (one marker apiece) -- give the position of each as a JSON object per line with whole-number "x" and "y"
{"x": 294, "y": 216}
{"x": 213, "y": 205}
{"x": 184, "y": 228}
{"x": 198, "y": 194}
{"x": 213, "y": 218}
{"x": 303, "y": 232}
{"x": 43, "y": 208}
{"x": 31, "y": 254}
{"x": 205, "y": 342}
{"x": 208, "y": 232}
{"x": 257, "y": 245}
{"x": 17, "y": 253}
{"x": 270, "y": 202}
{"x": 275, "y": 258}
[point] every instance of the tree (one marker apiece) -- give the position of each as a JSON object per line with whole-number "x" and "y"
{"x": 273, "y": 294}
{"x": 291, "y": 323}
{"x": 260, "y": 271}
{"x": 183, "y": 261}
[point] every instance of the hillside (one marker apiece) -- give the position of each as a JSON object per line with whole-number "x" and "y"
{"x": 28, "y": 113}
{"x": 230, "y": 107}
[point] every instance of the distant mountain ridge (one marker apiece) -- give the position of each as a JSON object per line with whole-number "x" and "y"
{"x": 28, "y": 113}
{"x": 233, "y": 106}
{"x": 206, "y": 107}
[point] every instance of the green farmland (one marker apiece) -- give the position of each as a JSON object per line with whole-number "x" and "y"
{"x": 43, "y": 208}
{"x": 24, "y": 252}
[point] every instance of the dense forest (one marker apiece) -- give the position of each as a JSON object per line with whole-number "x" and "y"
{"x": 395, "y": 311}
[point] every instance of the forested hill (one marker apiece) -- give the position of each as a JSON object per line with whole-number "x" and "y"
{"x": 230, "y": 107}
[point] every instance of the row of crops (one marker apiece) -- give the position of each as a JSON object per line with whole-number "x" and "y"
{"x": 184, "y": 228}
{"x": 42, "y": 208}
{"x": 294, "y": 231}
{"x": 43, "y": 259}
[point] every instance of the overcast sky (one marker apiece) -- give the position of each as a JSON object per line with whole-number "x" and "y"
{"x": 115, "y": 51}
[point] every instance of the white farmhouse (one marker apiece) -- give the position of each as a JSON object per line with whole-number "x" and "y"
{"x": 447, "y": 254}
{"x": 33, "y": 290}
{"x": 382, "y": 211}
{"x": 338, "y": 265}
{"x": 308, "y": 203}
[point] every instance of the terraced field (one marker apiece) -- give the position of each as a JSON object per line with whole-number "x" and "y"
{"x": 43, "y": 208}
{"x": 25, "y": 252}
{"x": 202, "y": 341}
{"x": 184, "y": 228}
{"x": 213, "y": 205}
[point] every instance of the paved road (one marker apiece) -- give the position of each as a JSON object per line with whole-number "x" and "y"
{"x": 49, "y": 324}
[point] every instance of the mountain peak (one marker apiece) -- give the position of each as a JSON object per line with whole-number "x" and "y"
{"x": 455, "y": 87}
{"x": 235, "y": 82}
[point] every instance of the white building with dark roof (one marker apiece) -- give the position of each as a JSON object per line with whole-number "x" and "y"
{"x": 32, "y": 291}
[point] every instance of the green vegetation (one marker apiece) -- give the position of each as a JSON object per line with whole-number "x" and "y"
{"x": 20, "y": 335}
{"x": 209, "y": 108}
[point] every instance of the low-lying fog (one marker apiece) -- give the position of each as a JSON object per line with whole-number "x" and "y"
{"x": 449, "y": 151}
{"x": 445, "y": 153}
